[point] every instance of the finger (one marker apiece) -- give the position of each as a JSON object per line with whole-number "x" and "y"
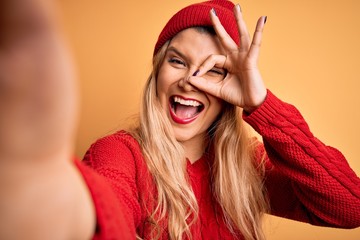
{"x": 37, "y": 91}
{"x": 184, "y": 84}
{"x": 205, "y": 85}
{"x": 212, "y": 61}
{"x": 21, "y": 20}
{"x": 225, "y": 39}
{"x": 243, "y": 31}
{"x": 257, "y": 39}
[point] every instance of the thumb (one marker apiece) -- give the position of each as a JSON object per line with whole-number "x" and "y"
{"x": 204, "y": 85}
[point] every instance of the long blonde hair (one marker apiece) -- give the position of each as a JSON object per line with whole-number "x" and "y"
{"x": 243, "y": 203}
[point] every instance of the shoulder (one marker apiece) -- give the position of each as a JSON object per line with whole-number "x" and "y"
{"x": 117, "y": 145}
{"x": 119, "y": 150}
{"x": 119, "y": 141}
{"x": 119, "y": 159}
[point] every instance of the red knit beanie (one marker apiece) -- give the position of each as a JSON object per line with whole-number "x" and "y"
{"x": 198, "y": 15}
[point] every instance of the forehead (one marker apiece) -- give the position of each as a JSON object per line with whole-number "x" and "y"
{"x": 194, "y": 43}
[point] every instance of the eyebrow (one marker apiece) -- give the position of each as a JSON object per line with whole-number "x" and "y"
{"x": 176, "y": 51}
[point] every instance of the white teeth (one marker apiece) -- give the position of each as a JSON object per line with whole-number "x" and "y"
{"x": 187, "y": 102}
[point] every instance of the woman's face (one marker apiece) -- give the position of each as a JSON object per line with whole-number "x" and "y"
{"x": 190, "y": 111}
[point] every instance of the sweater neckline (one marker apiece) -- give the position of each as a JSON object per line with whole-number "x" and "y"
{"x": 199, "y": 167}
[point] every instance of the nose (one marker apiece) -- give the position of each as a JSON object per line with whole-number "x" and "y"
{"x": 184, "y": 84}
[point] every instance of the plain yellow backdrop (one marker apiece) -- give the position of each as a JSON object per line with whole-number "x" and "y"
{"x": 310, "y": 58}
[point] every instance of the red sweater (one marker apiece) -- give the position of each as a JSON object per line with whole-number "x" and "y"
{"x": 305, "y": 179}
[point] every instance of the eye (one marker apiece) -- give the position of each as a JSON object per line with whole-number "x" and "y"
{"x": 217, "y": 72}
{"x": 176, "y": 61}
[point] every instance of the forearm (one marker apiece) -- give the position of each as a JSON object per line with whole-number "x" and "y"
{"x": 319, "y": 178}
{"x": 37, "y": 89}
{"x": 47, "y": 201}
{"x": 42, "y": 195}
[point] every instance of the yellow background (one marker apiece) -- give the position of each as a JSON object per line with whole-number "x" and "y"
{"x": 310, "y": 58}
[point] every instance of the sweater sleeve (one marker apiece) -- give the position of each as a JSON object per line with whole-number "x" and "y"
{"x": 110, "y": 220}
{"x": 116, "y": 157}
{"x": 307, "y": 180}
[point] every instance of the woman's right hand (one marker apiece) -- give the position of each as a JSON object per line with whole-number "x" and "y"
{"x": 37, "y": 92}
{"x": 42, "y": 194}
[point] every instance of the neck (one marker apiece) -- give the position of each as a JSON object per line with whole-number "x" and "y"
{"x": 194, "y": 148}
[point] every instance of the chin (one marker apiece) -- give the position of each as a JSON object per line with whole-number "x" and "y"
{"x": 182, "y": 137}
{"x": 186, "y": 135}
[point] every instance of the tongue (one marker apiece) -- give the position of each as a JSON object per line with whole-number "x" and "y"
{"x": 184, "y": 112}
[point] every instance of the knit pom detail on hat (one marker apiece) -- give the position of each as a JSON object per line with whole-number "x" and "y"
{"x": 197, "y": 15}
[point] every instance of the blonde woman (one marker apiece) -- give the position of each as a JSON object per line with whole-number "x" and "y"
{"x": 189, "y": 170}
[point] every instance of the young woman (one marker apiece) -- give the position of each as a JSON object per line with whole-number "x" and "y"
{"x": 189, "y": 170}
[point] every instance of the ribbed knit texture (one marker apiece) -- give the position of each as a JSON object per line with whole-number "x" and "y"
{"x": 199, "y": 15}
{"x": 306, "y": 180}
{"x": 110, "y": 219}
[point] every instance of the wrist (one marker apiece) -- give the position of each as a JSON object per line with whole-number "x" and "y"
{"x": 248, "y": 109}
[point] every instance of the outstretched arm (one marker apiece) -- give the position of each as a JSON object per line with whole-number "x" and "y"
{"x": 42, "y": 194}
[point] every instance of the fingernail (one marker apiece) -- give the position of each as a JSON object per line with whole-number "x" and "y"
{"x": 213, "y": 11}
{"x": 196, "y": 73}
{"x": 265, "y": 19}
{"x": 239, "y": 7}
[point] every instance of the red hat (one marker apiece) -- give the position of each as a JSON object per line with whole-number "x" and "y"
{"x": 198, "y": 15}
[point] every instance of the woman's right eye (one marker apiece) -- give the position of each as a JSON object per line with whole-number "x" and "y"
{"x": 176, "y": 61}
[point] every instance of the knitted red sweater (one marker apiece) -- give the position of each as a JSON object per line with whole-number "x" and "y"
{"x": 306, "y": 180}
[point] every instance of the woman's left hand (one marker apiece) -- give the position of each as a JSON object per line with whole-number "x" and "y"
{"x": 243, "y": 85}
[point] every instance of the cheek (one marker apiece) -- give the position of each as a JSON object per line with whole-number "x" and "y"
{"x": 162, "y": 87}
{"x": 165, "y": 81}
{"x": 161, "y": 80}
{"x": 217, "y": 106}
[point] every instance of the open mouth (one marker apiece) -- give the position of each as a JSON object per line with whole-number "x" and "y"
{"x": 184, "y": 110}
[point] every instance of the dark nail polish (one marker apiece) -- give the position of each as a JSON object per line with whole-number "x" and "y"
{"x": 196, "y": 73}
{"x": 265, "y": 19}
{"x": 213, "y": 10}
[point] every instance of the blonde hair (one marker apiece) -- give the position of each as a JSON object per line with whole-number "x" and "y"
{"x": 243, "y": 204}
